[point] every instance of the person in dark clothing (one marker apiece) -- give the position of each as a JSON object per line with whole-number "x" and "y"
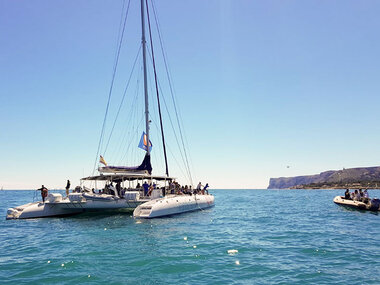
{"x": 146, "y": 188}
{"x": 205, "y": 188}
{"x": 67, "y": 188}
{"x": 347, "y": 195}
{"x": 118, "y": 188}
{"x": 44, "y": 193}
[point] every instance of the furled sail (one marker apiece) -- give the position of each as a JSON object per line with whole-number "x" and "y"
{"x": 144, "y": 166}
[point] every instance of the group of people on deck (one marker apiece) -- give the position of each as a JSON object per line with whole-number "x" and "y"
{"x": 174, "y": 188}
{"x": 110, "y": 189}
{"x": 357, "y": 195}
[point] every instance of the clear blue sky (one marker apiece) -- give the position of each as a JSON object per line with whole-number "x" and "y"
{"x": 261, "y": 85}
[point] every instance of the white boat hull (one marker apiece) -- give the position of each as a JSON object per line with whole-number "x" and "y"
{"x": 371, "y": 205}
{"x": 173, "y": 204}
{"x": 144, "y": 207}
{"x": 41, "y": 210}
{"x": 56, "y": 206}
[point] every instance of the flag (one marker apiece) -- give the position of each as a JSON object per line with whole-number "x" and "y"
{"x": 101, "y": 160}
{"x": 143, "y": 142}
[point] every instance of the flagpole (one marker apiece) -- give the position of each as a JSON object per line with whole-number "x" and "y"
{"x": 143, "y": 41}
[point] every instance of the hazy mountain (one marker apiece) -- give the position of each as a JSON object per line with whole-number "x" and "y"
{"x": 361, "y": 176}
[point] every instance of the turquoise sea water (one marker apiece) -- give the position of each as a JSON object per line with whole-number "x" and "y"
{"x": 282, "y": 237}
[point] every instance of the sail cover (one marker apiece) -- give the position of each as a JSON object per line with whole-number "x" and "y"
{"x": 144, "y": 166}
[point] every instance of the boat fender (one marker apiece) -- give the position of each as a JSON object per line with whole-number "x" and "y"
{"x": 11, "y": 211}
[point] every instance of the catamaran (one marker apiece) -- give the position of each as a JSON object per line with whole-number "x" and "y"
{"x": 136, "y": 188}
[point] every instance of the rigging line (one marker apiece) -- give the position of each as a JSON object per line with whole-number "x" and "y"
{"x": 132, "y": 116}
{"x": 173, "y": 128}
{"x": 129, "y": 128}
{"x": 111, "y": 87}
{"x": 135, "y": 131}
{"x": 171, "y": 90}
{"x": 122, "y": 100}
{"x": 171, "y": 123}
{"x": 158, "y": 97}
{"x": 154, "y": 117}
{"x": 172, "y": 154}
{"x": 139, "y": 112}
{"x": 175, "y": 133}
{"x": 120, "y": 28}
{"x": 187, "y": 145}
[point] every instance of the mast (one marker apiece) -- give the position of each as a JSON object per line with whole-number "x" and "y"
{"x": 157, "y": 93}
{"x": 143, "y": 41}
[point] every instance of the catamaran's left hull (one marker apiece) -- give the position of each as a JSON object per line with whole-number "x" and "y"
{"x": 66, "y": 207}
{"x": 41, "y": 210}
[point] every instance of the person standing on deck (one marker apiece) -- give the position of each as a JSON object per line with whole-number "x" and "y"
{"x": 118, "y": 188}
{"x": 67, "y": 188}
{"x": 44, "y": 193}
{"x": 205, "y": 188}
{"x": 146, "y": 188}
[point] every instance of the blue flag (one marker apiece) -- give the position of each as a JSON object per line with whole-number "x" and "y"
{"x": 143, "y": 142}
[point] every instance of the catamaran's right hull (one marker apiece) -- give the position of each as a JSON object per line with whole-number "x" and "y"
{"x": 172, "y": 205}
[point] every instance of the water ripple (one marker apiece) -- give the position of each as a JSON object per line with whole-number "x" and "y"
{"x": 281, "y": 237}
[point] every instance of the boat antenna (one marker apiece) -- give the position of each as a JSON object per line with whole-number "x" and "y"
{"x": 158, "y": 96}
{"x": 143, "y": 42}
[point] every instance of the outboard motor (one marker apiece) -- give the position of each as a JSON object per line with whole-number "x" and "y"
{"x": 373, "y": 205}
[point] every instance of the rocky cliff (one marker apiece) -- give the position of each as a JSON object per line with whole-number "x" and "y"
{"x": 336, "y": 178}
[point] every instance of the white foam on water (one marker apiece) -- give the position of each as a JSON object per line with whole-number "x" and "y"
{"x": 185, "y": 238}
{"x": 237, "y": 262}
{"x": 138, "y": 222}
{"x": 194, "y": 246}
{"x": 232, "y": 251}
{"x": 89, "y": 276}
{"x": 48, "y": 261}
{"x": 62, "y": 264}
{"x": 105, "y": 229}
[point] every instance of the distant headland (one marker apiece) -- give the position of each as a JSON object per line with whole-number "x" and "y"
{"x": 362, "y": 177}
